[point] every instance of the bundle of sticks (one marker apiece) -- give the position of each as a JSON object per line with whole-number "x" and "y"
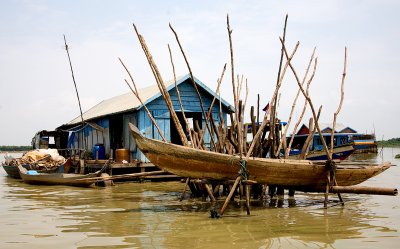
{"x": 268, "y": 139}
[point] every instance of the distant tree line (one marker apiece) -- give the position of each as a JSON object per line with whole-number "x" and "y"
{"x": 393, "y": 142}
{"x": 14, "y": 148}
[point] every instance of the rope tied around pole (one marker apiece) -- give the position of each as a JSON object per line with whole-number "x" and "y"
{"x": 243, "y": 169}
{"x": 331, "y": 166}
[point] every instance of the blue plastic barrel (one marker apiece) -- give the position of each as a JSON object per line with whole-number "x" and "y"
{"x": 99, "y": 149}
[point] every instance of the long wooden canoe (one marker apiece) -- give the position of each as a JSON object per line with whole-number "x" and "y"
{"x": 302, "y": 174}
{"x": 58, "y": 178}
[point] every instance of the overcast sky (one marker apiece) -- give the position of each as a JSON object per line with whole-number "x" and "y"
{"x": 37, "y": 91}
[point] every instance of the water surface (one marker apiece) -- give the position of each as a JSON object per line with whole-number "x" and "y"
{"x": 150, "y": 215}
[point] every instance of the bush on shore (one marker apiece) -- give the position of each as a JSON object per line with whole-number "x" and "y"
{"x": 14, "y": 148}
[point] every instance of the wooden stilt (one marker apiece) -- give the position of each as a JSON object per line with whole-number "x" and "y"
{"x": 210, "y": 193}
{"x": 216, "y": 189}
{"x": 338, "y": 194}
{"x": 328, "y": 176}
{"x": 280, "y": 191}
{"x": 222, "y": 210}
{"x": 184, "y": 189}
{"x": 247, "y": 189}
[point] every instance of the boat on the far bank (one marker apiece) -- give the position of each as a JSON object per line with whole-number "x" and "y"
{"x": 362, "y": 143}
{"x": 339, "y": 153}
{"x": 365, "y": 143}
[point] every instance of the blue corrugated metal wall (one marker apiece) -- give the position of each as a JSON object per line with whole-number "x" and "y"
{"x": 92, "y": 136}
{"x": 159, "y": 110}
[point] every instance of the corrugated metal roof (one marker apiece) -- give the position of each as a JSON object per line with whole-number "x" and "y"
{"x": 121, "y": 103}
{"x": 128, "y": 101}
{"x": 338, "y": 127}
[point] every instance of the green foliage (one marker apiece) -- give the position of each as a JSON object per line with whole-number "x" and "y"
{"x": 14, "y": 148}
{"x": 397, "y": 156}
{"x": 393, "y": 142}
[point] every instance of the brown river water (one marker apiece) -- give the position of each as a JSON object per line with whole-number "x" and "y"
{"x": 150, "y": 215}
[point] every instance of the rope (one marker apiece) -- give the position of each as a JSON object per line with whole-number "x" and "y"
{"x": 243, "y": 169}
{"x": 105, "y": 165}
{"x": 331, "y": 166}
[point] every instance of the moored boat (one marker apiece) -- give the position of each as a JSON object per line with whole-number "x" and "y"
{"x": 41, "y": 160}
{"x": 339, "y": 153}
{"x": 365, "y": 143}
{"x": 77, "y": 180}
{"x": 13, "y": 172}
{"x": 302, "y": 174}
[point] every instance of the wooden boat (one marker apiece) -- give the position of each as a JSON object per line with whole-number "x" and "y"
{"x": 339, "y": 153}
{"x": 365, "y": 143}
{"x": 296, "y": 174}
{"x": 13, "y": 172}
{"x": 34, "y": 177}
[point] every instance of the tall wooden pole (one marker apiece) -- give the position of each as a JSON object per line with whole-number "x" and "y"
{"x": 194, "y": 85}
{"x": 76, "y": 89}
{"x": 162, "y": 88}
{"x": 136, "y": 93}
{"x": 273, "y": 104}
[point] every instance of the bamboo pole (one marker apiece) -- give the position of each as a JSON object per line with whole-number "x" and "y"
{"x": 219, "y": 81}
{"x": 125, "y": 176}
{"x": 232, "y": 60}
{"x": 179, "y": 98}
{"x": 210, "y": 193}
{"x": 341, "y": 101}
{"x": 309, "y": 101}
{"x": 136, "y": 93}
{"x": 273, "y": 115}
{"x": 184, "y": 189}
{"x": 228, "y": 198}
{"x": 335, "y": 116}
{"x": 311, "y": 131}
{"x": 162, "y": 87}
{"x": 329, "y": 155}
{"x": 302, "y": 112}
{"x": 293, "y": 105}
{"x": 194, "y": 84}
{"x": 247, "y": 192}
{"x": 328, "y": 184}
{"x": 265, "y": 120}
{"x": 364, "y": 190}
{"x": 310, "y": 137}
{"x": 235, "y": 92}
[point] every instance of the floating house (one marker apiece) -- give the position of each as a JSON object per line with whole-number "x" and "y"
{"x": 106, "y": 124}
{"x": 342, "y": 135}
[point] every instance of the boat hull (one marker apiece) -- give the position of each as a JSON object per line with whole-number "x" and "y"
{"x": 194, "y": 163}
{"x": 13, "y": 172}
{"x": 75, "y": 180}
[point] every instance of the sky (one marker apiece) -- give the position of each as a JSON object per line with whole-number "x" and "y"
{"x": 37, "y": 91}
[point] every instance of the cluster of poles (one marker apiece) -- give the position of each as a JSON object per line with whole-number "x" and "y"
{"x": 268, "y": 140}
